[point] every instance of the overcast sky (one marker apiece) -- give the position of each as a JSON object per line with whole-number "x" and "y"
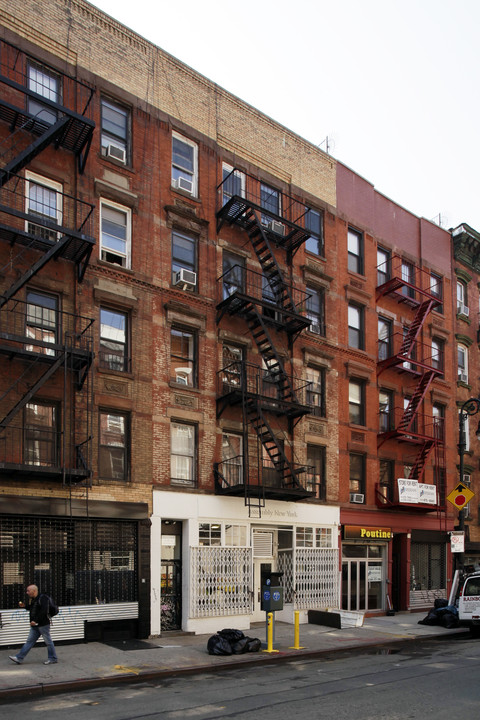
{"x": 393, "y": 84}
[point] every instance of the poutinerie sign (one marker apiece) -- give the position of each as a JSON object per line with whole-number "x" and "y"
{"x": 358, "y": 532}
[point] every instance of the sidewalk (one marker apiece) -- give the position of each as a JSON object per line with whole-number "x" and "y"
{"x": 88, "y": 665}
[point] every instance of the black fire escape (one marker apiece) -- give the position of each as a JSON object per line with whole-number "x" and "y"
{"x": 42, "y": 108}
{"x": 407, "y": 354}
{"x": 271, "y": 399}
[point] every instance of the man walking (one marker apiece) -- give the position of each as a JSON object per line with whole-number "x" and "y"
{"x": 39, "y": 626}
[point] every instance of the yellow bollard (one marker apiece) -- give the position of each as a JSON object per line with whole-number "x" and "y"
{"x": 296, "y": 638}
{"x": 270, "y": 634}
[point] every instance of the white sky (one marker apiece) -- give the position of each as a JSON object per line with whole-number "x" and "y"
{"x": 394, "y": 84}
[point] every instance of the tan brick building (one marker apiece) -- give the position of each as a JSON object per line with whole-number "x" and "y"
{"x": 179, "y": 342}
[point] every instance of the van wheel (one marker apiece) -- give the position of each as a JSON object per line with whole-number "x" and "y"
{"x": 475, "y": 631}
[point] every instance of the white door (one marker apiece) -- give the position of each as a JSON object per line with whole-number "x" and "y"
{"x": 264, "y": 562}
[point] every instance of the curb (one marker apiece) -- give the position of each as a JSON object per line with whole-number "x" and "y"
{"x": 28, "y": 692}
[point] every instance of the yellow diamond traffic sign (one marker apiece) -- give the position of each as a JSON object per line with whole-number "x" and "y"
{"x": 460, "y": 496}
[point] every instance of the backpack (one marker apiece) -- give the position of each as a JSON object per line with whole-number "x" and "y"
{"x": 52, "y": 606}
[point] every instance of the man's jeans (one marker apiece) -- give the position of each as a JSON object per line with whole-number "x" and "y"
{"x": 32, "y": 638}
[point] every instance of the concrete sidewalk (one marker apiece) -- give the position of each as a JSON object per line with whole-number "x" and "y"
{"x": 88, "y": 665}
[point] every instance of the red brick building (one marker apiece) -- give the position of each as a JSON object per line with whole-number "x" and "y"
{"x": 191, "y": 377}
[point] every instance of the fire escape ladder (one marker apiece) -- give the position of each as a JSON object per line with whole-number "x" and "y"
{"x": 32, "y": 391}
{"x": 415, "y": 327}
{"x": 53, "y": 252}
{"x": 52, "y": 134}
{"x": 418, "y": 468}
{"x": 273, "y": 363}
{"x": 272, "y": 446}
{"x": 416, "y": 400}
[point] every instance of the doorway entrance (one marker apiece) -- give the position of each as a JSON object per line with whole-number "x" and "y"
{"x": 363, "y": 577}
{"x": 171, "y": 575}
{"x": 264, "y": 562}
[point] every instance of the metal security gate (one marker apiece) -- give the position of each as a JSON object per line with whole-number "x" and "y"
{"x": 79, "y": 562}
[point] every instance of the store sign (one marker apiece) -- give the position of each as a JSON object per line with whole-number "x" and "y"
{"x": 411, "y": 491}
{"x": 359, "y": 532}
{"x": 457, "y": 541}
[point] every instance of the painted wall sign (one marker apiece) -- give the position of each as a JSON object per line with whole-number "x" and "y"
{"x": 358, "y": 532}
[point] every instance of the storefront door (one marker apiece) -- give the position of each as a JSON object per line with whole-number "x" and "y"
{"x": 263, "y": 565}
{"x": 363, "y": 577}
{"x": 171, "y": 572}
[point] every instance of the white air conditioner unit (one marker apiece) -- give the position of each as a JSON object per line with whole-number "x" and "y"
{"x": 463, "y": 310}
{"x": 315, "y": 329}
{"x": 183, "y": 183}
{"x": 277, "y": 227}
{"x": 463, "y": 377}
{"x": 357, "y": 498}
{"x": 117, "y": 153}
{"x": 186, "y": 279}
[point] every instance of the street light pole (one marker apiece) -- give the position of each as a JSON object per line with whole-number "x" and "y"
{"x": 470, "y": 407}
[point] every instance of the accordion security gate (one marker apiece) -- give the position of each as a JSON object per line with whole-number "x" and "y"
{"x": 221, "y": 580}
{"x": 81, "y": 563}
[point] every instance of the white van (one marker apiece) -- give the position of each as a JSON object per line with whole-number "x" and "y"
{"x": 469, "y": 603}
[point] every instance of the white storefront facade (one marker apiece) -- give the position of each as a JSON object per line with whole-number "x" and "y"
{"x": 210, "y": 560}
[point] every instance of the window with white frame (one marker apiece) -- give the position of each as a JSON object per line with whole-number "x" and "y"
{"x": 436, "y": 289}
{"x": 115, "y": 234}
{"x": 233, "y": 183}
{"x": 314, "y": 224}
{"x": 183, "y": 454}
{"x": 209, "y": 534}
{"x": 45, "y": 82}
{"x": 462, "y": 300}
{"x": 311, "y": 537}
{"x": 356, "y": 334}
{"x": 115, "y": 130}
{"x": 232, "y": 458}
{"x": 184, "y": 164}
{"x": 113, "y": 340}
{"x": 113, "y": 450}
{"x": 235, "y": 535}
{"x": 462, "y": 370}
{"x": 44, "y": 205}
{"x": 355, "y": 251}
{"x": 316, "y": 390}
{"x": 315, "y": 308}
{"x": 383, "y": 265}
{"x": 437, "y": 353}
{"x": 408, "y": 276}
{"x": 184, "y": 258}
{"x": 41, "y": 322}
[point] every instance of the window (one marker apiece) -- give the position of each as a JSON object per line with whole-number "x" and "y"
{"x": 41, "y": 441}
{"x": 113, "y": 340}
{"x": 384, "y": 338}
{"x": 408, "y": 277}
{"x": 315, "y": 308}
{"x": 183, "y": 454}
{"x": 307, "y": 537}
{"x": 314, "y": 224}
{"x": 232, "y": 459}
{"x": 236, "y": 535}
{"x": 44, "y": 204}
{"x": 356, "y": 337}
{"x": 115, "y": 234}
{"x": 184, "y": 256}
{"x": 113, "y": 448}
{"x": 184, "y": 164}
{"x": 436, "y": 289}
{"x": 383, "y": 265}
{"x": 41, "y": 322}
{"x": 209, "y": 534}
{"x": 357, "y": 477}
{"x": 462, "y": 300}
{"x": 115, "y": 130}
{"x": 355, "y": 251}
{"x": 233, "y": 183}
{"x": 316, "y": 464}
{"x": 270, "y": 202}
{"x": 462, "y": 355}
{"x": 438, "y": 347}
{"x": 233, "y": 273}
{"x": 46, "y": 83}
{"x": 385, "y": 403}
{"x": 410, "y": 415}
{"x": 232, "y": 359}
{"x": 387, "y": 478}
{"x": 183, "y": 357}
{"x": 438, "y": 413}
{"x": 316, "y": 390}
{"x": 356, "y": 402}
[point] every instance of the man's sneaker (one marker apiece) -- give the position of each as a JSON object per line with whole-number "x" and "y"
{"x": 47, "y": 662}
{"x": 14, "y": 659}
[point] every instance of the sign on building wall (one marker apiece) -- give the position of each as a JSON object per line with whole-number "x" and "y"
{"x": 411, "y": 491}
{"x": 369, "y": 534}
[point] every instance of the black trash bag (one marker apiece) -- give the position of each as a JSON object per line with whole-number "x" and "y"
{"x": 431, "y": 619}
{"x": 449, "y": 620}
{"x": 231, "y": 635}
{"x": 253, "y": 645}
{"x": 241, "y": 646}
{"x": 217, "y": 645}
{"x": 440, "y": 603}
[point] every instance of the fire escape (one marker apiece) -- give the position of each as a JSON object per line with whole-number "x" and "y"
{"x": 42, "y": 346}
{"x": 271, "y": 399}
{"x": 407, "y": 354}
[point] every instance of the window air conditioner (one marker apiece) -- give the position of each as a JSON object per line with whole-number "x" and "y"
{"x": 186, "y": 279}
{"x": 183, "y": 183}
{"x": 117, "y": 153}
{"x": 357, "y": 498}
{"x": 315, "y": 329}
{"x": 463, "y": 310}
{"x": 277, "y": 227}
{"x": 463, "y": 377}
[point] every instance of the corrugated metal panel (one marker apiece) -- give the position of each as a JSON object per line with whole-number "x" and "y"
{"x": 425, "y": 598}
{"x": 69, "y": 624}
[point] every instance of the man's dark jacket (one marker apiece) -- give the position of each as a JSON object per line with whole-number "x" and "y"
{"x": 38, "y": 607}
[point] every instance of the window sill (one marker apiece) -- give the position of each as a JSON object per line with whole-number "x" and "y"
{"x": 115, "y": 266}
{"x": 116, "y": 373}
{"x": 180, "y": 386}
{"x": 117, "y": 163}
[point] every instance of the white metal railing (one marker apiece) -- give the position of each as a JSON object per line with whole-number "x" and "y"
{"x": 221, "y": 581}
{"x": 316, "y": 578}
